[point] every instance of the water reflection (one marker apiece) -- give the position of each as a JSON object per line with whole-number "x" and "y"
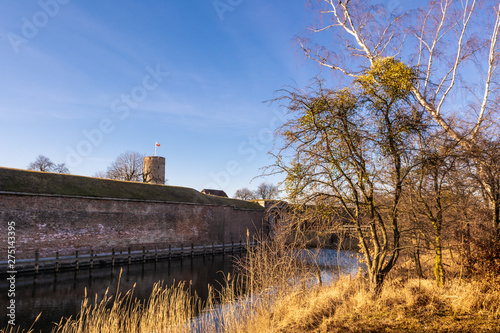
{"x": 58, "y": 295}
{"x": 328, "y": 260}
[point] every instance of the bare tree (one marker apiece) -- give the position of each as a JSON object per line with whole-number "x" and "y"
{"x": 266, "y": 191}
{"x": 435, "y": 189}
{"x": 60, "y": 168}
{"x": 244, "y": 194}
{"x": 43, "y": 163}
{"x": 484, "y": 167}
{"x": 100, "y": 174}
{"x": 127, "y": 166}
{"x": 346, "y": 147}
{"x": 451, "y": 39}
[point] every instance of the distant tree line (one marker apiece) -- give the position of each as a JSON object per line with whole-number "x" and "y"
{"x": 266, "y": 191}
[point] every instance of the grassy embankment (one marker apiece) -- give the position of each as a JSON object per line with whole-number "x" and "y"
{"x": 35, "y": 182}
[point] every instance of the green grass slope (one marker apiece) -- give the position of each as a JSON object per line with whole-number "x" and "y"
{"x": 15, "y": 180}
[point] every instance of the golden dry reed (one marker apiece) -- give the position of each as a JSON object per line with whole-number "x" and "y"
{"x": 281, "y": 294}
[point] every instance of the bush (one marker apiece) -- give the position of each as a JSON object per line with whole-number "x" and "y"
{"x": 481, "y": 255}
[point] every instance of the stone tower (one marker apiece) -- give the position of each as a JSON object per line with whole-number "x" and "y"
{"x": 154, "y": 170}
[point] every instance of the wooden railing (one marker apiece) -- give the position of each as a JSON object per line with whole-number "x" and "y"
{"x": 112, "y": 258}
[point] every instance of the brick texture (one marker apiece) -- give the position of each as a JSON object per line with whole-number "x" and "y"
{"x": 66, "y": 224}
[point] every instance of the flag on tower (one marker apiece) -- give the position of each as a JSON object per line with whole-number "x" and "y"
{"x": 156, "y": 145}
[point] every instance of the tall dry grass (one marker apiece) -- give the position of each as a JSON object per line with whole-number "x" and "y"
{"x": 464, "y": 304}
{"x": 275, "y": 292}
{"x": 344, "y": 306}
{"x": 167, "y": 307}
{"x": 268, "y": 272}
{"x": 416, "y": 305}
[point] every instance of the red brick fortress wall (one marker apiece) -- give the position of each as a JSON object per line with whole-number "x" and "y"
{"x": 51, "y": 223}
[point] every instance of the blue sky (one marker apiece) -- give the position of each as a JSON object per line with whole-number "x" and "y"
{"x": 83, "y": 81}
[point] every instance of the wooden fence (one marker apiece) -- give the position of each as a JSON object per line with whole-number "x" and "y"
{"x": 112, "y": 258}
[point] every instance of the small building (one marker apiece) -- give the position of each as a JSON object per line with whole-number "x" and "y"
{"x": 218, "y": 193}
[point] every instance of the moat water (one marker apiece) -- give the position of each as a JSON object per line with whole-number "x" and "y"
{"x": 61, "y": 295}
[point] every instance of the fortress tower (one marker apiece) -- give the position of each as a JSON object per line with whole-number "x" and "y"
{"x": 154, "y": 169}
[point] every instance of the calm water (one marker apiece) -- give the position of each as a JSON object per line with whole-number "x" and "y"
{"x": 61, "y": 295}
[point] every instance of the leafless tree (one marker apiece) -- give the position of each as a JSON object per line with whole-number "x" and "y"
{"x": 445, "y": 42}
{"x": 127, "y": 166}
{"x": 60, "y": 168}
{"x": 435, "y": 187}
{"x": 244, "y": 194}
{"x": 484, "y": 167}
{"x": 266, "y": 191}
{"x": 43, "y": 163}
{"x": 100, "y": 174}
{"x": 346, "y": 148}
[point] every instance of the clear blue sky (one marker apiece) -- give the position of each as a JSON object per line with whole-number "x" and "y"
{"x": 83, "y": 81}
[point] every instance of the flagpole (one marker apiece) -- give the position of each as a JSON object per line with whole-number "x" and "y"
{"x": 155, "y": 149}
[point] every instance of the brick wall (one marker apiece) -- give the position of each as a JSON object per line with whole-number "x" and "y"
{"x": 60, "y": 223}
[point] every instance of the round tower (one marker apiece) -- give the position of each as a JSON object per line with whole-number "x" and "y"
{"x": 154, "y": 170}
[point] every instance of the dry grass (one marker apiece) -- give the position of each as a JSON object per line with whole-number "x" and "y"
{"x": 345, "y": 306}
{"x": 168, "y": 307}
{"x": 281, "y": 298}
{"x": 414, "y": 306}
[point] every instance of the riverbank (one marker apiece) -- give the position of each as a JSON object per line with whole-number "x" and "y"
{"x": 468, "y": 302}
{"x": 287, "y": 291}
{"x": 410, "y": 306}
{"x": 343, "y": 306}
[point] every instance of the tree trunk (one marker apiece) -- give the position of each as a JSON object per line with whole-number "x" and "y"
{"x": 495, "y": 207}
{"x": 491, "y": 187}
{"x": 376, "y": 282}
{"x": 438, "y": 262}
{"x": 418, "y": 266}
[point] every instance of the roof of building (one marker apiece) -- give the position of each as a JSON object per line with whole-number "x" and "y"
{"x": 219, "y": 193}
